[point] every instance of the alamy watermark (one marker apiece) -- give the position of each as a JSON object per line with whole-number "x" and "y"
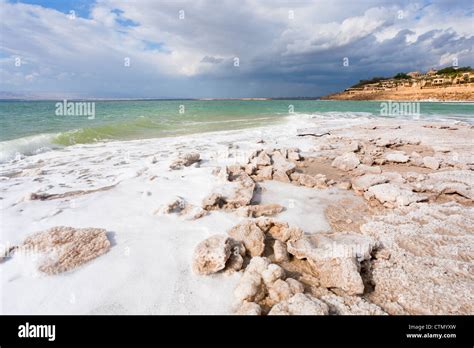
{"x": 68, "y": 108}
{"x": 37, "y": 331}
{"x": 392, "y": 108}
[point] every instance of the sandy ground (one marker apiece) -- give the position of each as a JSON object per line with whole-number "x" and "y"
{"x": 122, "y": 187}
{"x": 448, "y": 93}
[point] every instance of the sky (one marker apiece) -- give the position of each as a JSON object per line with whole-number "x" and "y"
{"x": 223, "y": 48}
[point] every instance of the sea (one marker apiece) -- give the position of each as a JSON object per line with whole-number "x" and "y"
{"x": 31, "y": 127}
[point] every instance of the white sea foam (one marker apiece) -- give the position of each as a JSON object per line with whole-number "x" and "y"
{"x": 26, "y": 146}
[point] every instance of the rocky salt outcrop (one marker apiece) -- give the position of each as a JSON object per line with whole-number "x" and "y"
{"x": 176, "y": 205}
{"x": 185, "y": 160}
{"x": 265, "y": 283}
{"x": 250, "y": 234}
{"x": 241, "y": 187}
{"x": 300, "y": 304}
{"x": 217, "y": 253}
{"x": 280, "y": 253}
{"x": 431, "y": 162}
{"x": 211, "y": 255}
{"x": 391, "y": 195}
{"x": 251, "y": 287}
{"x": 260, "y": 210}
{"x": 249, "y": 308}
{"x": 335, "y": 258}
{"x": 317, "y": 181}
{"x": 425, "y": 264}
{"x": 363, "y": 183}
{"x": 264, "y": 173}
{"x": 459, "y": 182}
{"x": 346, "y": 162}
{"x": 350, "y": 305}
{"x": 179, "y": 206}
{"x": 279, "y": 230}
{"x": 66, "y": 248}
{"x": 367, "y": 169}
{"x": 397, "y": 157}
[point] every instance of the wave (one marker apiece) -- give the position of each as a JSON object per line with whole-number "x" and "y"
{"x": 138, "y": 128}
{"x": 31, "y": 145}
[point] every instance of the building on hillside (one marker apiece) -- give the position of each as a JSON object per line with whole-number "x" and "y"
{"x": 439, "y": 81}
{"x": 431, "y": 72}
{"x": 414, "y": 74}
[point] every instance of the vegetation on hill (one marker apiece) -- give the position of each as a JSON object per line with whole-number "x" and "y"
{"x": 454, "y": 71}
{"x": 450, "y": 71}
{"x": 401, "y": 76}
{"x": 366, "y": 82}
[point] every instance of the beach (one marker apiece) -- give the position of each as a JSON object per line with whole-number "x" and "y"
{"x": 400, "y": 187}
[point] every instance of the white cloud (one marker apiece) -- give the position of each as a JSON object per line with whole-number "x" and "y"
{"x": 86, "y": 55}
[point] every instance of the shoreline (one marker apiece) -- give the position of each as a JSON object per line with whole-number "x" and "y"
{"x": 129, "y": 189}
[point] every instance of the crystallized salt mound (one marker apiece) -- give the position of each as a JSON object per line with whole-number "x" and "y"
{"x": 397, "y": 157}
{"x": 185, "y": 160}
{"x": 427, "y": 264}
{"x": 250, "y": 235}
{"x": 264, "y": 283}
{"x": 391, "y": 195}
{"x": 237, "y": 192}
{"x": 450, "y": 181}
{"x": 350, "y": 305}
{"x": 363, "y": 183}
{"x": 335, "y": 258}
{"x": 300, "y": 304}
{"x": 260, "y": 210}
{"x": 211, "y": 255}
{"x": 347, "y": 161}
{"x": 67, "y": 247}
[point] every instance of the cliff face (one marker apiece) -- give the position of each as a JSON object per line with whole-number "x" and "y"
{"x": 440, "y": 93}
{"x": 451, "y": 84}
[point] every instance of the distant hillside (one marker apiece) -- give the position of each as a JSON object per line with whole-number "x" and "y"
{"x": 451, "y": 83}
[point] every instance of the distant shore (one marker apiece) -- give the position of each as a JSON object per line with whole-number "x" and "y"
{"x": 451, "y": 93}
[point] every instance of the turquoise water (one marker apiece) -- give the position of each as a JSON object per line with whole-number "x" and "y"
{"x": 28, "y": 126}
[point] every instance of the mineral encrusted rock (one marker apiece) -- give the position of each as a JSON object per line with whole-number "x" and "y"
{"x": 350, "y": 305}
{"x": 282, "y": 290}
{"x": 249, "y": 308}
{"x": 397, "y": 157}
{"x": 317, "y": 181}
{"x": 251, "y": 287}
{"x": 428, "y": 269}
{"x": 264, "y": 173}
{"x": 279, "y": 230}
{"x": 67, "y": 248}
{"x": 279, "y": 251}
{"x": 460, "y": 182}
{"x": 236, "y": 258}
{"x": 177, "y": 205}
{"x": 392, "y": 195}
{"x": 241, "y": 195}
{"x": 335, "y": 258}
{"x": 346, "y": 162}
{"x": 431, "y": 162}
{"x": 363, "y": 183}
{"x": 185, "y": 160}
{"x": 260, "y": 210}
{"x": 211, "y": 255}
{"x": 300, "y": 304}
{"x": 250, "y": 235}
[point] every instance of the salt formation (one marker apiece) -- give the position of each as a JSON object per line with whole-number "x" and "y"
{"x": 216, "y": 253}
{"x": 335, "y": 258}
{"x": 427, "y": 264}
{"x": 185, "y": 160}
{"x": 66, "y": 248}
